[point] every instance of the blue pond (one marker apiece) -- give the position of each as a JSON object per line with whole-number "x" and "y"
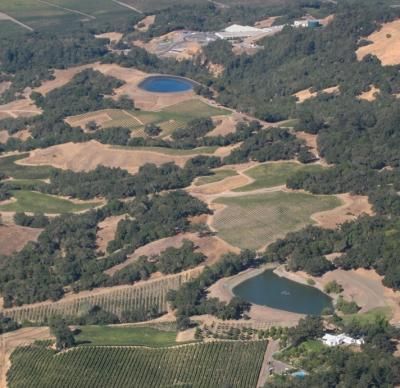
{"x": 166, "y": 84}
{"x": 269, "y": 289}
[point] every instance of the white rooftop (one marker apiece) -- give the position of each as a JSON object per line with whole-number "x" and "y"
{"x": 238, "y": 28}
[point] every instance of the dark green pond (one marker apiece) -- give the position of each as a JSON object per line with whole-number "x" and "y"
{"x": 271, "y": 290}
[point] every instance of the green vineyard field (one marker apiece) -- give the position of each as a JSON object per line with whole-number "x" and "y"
{"x": 137, "y": 297}
{"x": 213, "y": 364}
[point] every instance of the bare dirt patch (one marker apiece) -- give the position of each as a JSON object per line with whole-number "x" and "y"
{"x": 216, "y": 69}
{"x": 87, "y": 156}
{"x": 100, "y": 119}
{"x": 265, "y": 23}
{"x": 371, "y": 94}
{"x": 14, "y": 339}
{"x": 353, "y": 207}
{"x": 211, "y": 246}
{"x": 385, "y": 44}
{"x": 24, "y": 107}
{"x": 13, "y": 238}
{"x": 106, "y": 231}
{"x": 61, "y": 78}
{"x": 4, "y": 86}
{"x": 113, "y": 37}
{"x": 306, "y": 94}
{"x": 361, "y": 285}
{"x": 145, "y": 23}
{"x": 186, "y": 336}
{"x": 224, "y": 125}
{"x": 4, "y": 136}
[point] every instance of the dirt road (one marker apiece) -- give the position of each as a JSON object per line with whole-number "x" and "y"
{"x": 273, "y": 347}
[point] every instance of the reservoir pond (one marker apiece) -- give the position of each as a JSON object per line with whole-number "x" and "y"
{"x": 271, "y": 290}
{"x": 166, "y": 84}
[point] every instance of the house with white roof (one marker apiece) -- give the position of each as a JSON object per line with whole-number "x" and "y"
{"x": 340, "y": 339}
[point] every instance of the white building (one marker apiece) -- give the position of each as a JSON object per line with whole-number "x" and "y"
{"x": 236, "y": 31}
{"x": 340, "y": 339}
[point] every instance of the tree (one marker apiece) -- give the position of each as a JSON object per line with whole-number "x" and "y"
{"x": 64, "y": 336}
{"x": 152, "y": 130}
{"x": 309, "y": 327}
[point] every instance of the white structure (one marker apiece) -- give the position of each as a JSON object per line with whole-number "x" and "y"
{"x": 237, "y": 31}
{"x": 340, "y": 339}
{"x": 300, "y": 23}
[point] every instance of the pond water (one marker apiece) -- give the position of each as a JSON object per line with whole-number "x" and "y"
{"x": 166, "y": 84}
{"x": 269, "y": 289}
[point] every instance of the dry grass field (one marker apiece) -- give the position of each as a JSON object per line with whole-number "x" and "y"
{"x": 306, "y": 94}
{"x": 14, "y": 237}
{"x": 87, "y": 156}
{"x": 106, "y": 231}
{"x": 370, "y": 95}
{"x": 353, "y": 207}
{"x": 267, "y": 217}
{"x": 385, "y": 44}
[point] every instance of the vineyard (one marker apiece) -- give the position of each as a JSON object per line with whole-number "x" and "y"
{"x": 267, "y": 217}
{"x": 213, "y": 364}
{"x": 137, "y": 297}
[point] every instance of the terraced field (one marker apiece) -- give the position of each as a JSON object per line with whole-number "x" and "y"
{"x": 214, "y": 364}
{"x": 136, "y": 297}
{"x": 266, "y": 217}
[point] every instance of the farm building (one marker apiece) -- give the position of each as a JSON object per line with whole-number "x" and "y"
{"x": 304, "y": 23}
{"x": 340, "y": 339}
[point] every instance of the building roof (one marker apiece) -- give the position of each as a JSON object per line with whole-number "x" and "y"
{"x": 238, "y": 28}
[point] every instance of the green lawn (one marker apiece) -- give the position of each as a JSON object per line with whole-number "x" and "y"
{"x": 216, "y": 177}
{"x": 16, "y": 171}
{"x": 34, "y": 202}
{"x": 369, "y": 317}
{"x": 126, "y": 335}
{"x": 196, "y": 108}
{"x": 267, "y": 217}
{"x": 274, "y": 174}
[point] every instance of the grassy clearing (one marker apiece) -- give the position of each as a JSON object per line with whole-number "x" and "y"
{"x": 196, "y": 108}
{"x": 125, "y": 335}
{"x": 274, "y": 174}
{"x": 218, "y": 176}
{"x": 16, "y": 171}
{"x": 34, "y": 202}
{"x": 215, "y": 364}
{"x": 369, "y": 317}
{"x": 267, "y": 217}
